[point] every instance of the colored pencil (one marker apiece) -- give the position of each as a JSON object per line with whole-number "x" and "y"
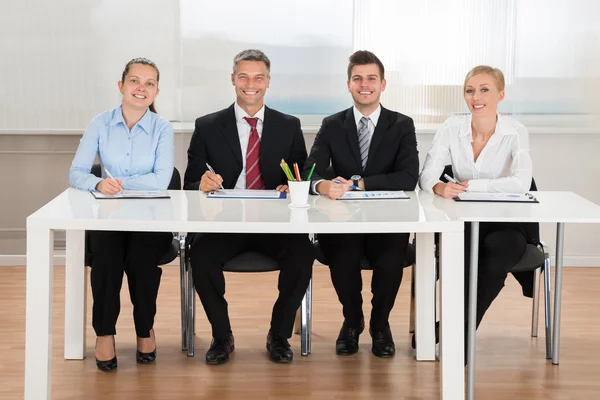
{"x": 297, "y": 171}
{"x": 311, "y": 172}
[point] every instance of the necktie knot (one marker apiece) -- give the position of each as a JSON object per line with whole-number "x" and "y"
{"x": 365, "y": 121}
{"x": 251, "y": 121}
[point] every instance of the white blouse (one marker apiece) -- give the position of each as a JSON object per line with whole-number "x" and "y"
{"x": 504, "y": 164}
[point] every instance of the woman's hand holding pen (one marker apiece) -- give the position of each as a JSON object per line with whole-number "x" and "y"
{"x": 334, "y": 190}
{"x": 110, "y": 186}
{"x": 450, "y": 190}
{"x": 210, "y": 182}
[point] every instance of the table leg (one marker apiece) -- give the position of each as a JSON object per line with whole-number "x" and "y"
{"x": 471, "y": 345}
{"x": 425, "y": 297}
{"x": 452, "y": 312}
{"x": 560, "y": 239}
{"x": 75, "y": 296}
{"x": 38, "y": 318}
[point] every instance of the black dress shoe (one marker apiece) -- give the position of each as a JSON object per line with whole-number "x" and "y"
{"x": 347, "y": 341}
{"x": 413, "y": 341}
{"x": 383, "y": 343}
{"x": 279, "y": 348}
{"x": 145, "y": 358}
{"x": 107, "y": 365}
{"x": 219, "y": 350}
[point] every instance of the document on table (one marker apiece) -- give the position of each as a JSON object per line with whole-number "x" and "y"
{"x": 497, "y": 197}
{"x": 134, "y": 194}
{"x": 374, "y": 195}
{"x": 246, "y": 194}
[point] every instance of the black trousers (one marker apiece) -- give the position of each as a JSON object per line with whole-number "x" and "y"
{"x": 136, "y": 254}
{"x": 501, "y": 246}
{"x": 386, "y": 254}
{"x": 210, "y": 252}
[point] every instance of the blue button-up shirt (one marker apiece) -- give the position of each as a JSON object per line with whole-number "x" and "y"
{"x": 143, "y": 157}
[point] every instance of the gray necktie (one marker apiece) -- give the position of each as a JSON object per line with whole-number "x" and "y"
{"x": 364, "y": 139}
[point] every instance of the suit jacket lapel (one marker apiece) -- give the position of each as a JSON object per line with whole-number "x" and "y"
{"x": 268, "y": 137}
{"x": 231, "y": 134}
{"x": 352, "y": 135}
{"x": 380, "y": 129}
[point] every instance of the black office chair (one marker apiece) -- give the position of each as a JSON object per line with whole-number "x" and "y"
{"x": 174, "y": 250}
{"x": 535, "y": 260}
{"x": 249, "y": 261}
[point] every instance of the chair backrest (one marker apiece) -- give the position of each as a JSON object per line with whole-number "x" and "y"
{"x": 447, "y": 171}
{"x": 175, "y": 183}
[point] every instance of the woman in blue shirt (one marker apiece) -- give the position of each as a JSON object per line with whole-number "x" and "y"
{"x": 137, "y": 147}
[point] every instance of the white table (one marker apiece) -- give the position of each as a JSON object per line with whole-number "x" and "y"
{"x": 553, "y": 207}
{"x": 189, "y": 211}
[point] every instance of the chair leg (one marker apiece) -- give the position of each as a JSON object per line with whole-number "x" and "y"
{"x": 191, "y": 320}
{"x": 306, "y": 320}
{"x": 536, "y": 303}
{"x": 547, "y": 314}
{"x": 183, "y": 290}
{"x": 411, "y": 324}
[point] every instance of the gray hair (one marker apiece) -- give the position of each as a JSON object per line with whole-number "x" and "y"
{"x": 252, "y": 55}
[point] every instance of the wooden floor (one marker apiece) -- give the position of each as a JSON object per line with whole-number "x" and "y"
{"x": 510, "y": 364}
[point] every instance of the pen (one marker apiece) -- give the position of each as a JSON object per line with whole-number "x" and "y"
{"x": 110, "y": 175}
{"x": 213, "y": 171}
{"x": 451, "y": 179}
{"x": 353, "y": 187}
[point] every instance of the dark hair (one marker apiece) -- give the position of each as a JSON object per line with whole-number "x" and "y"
{"x": 251, "y": 55}
{"x": 364, "y": 57}
{"x": 143, "y": 61}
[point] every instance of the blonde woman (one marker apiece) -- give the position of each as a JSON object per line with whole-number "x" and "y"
{"x": 489, "y": 153}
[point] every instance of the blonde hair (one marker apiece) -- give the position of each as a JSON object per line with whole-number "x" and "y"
{"x": 486, "y": 69}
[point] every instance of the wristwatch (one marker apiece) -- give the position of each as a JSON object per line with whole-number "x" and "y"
{"x": 355, "y": 179}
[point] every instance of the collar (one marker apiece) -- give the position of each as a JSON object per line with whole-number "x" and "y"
{"x": 374, "y": 117}
{"x": 240, "y": 114}
{"x": 502, "y": 126}
{"x": 145, "y": 123}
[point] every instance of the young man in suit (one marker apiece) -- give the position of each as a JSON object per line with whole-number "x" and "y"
{"x": 373, "y": 148}
{"x": 244, "y": 144}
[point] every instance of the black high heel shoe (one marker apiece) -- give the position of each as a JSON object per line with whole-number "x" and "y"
{"x": 146, "y": 358}
{"x": 108, "y": 365}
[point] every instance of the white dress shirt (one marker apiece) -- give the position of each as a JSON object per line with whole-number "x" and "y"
{"x": 243, "y": 128}
{"x": 504, "y": 164}
{"x": 373, "y": 118}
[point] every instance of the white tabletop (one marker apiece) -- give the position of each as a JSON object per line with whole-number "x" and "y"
{"x": 553, "y": 207}
{"x": 192, "y": 211}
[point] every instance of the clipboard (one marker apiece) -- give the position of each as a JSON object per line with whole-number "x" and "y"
{"x": 134, "y": 194}
{"x": 497, "y": 197}
{"x": 374, "y": 195}
{"x": 246, "y": 194}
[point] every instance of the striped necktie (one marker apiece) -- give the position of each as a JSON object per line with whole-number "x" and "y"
{"x": 364, "y": 139}
{"x": 253, "y": 176}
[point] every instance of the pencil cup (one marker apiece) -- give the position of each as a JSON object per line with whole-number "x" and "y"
{"x": 299, "y": 193}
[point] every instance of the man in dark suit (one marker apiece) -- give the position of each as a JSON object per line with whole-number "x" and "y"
{"x": 373, "y": 148}
{"x": 244, "y": 144}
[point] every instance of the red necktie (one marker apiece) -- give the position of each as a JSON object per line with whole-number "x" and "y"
{"x": 253, "y": 176}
